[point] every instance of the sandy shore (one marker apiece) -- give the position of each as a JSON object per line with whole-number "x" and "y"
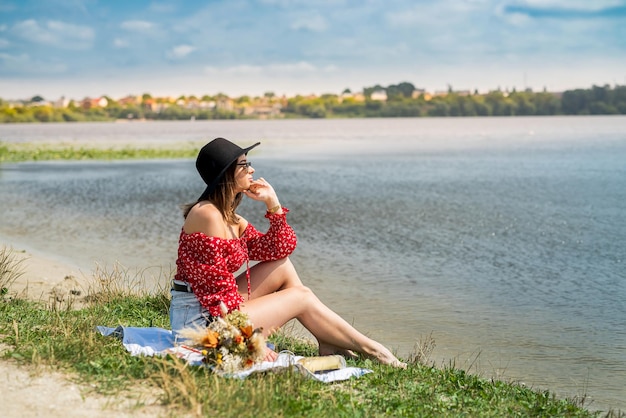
{"x": 46, "y": 279}
{"x": 30, "y": 391}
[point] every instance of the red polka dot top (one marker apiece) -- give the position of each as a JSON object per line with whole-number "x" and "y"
{"x": 208, "y": 263}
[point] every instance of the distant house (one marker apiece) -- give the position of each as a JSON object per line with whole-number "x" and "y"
{"x": 421, "y": 92}
{"x": 379, "y": 95}
{"x": 14, "y": 103}
{"x": 225, "y": 103}
{"x": 210, "y": 104}
{"x": 151, "y": 105}
{"x": 443, "y": 93}
{"x": 62, "y": 102}
{"x": 129, "y": 100}
{"x": 89, "y": 103}
{"x": 192, "y": 104}
{"x": 263, "y": 111}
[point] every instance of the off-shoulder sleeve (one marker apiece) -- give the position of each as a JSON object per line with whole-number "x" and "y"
{"x": 202, "y": 262}
{"x": 278, "y": 242}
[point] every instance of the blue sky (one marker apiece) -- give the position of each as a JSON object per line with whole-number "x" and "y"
{"x": 80, "y": 48}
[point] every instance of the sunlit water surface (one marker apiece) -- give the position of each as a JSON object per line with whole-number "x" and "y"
{"x": 502, "y": 238}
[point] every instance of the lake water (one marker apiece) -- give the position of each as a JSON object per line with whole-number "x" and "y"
{"x": 502, "y": 238}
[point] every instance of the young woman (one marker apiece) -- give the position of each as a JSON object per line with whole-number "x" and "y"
{"x": 215, "y": 242}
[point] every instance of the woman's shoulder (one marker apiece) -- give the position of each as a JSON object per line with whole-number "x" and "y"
{"x": 205, "y": 208}
{"x": 205, "y": 217}
{"x": 206, "y": 211}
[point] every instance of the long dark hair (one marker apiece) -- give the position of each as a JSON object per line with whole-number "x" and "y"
{"x": 223, "y": 196}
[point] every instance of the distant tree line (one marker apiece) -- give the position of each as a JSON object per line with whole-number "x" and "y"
{"x": 32, "y": 112}
{"x": 401, "y": 100}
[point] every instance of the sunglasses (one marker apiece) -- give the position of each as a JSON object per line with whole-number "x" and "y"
{"x": 245, "y": 165}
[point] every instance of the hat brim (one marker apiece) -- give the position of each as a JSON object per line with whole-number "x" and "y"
{"x": 217, "y": 180}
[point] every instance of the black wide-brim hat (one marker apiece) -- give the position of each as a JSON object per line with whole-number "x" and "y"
{"x": 214, "y": 159}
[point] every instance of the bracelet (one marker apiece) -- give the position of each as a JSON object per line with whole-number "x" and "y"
{"x": 274, "y": 209}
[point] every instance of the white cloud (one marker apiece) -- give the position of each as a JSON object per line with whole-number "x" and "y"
{"x": 582, "y": 5}
{"x": 4, "y": 43}
{"x": 515, "y": 19}
{"x": 300, "y": 3}
{"x": 314, "y": 23}
{"x": 239, "y": 69}
{"x": 162, "y": 7}
{"x": 137, "y": 25}
{"x": 120, "y": 43}
{"x": 407, "y": 17}
{"x": 23, "y": 64}
{"x": 55, "y": 33}
{"x": 14, "y": 58}
{"x": 180, "y": 51}
{"x": 440, "y": 15}
{"x": 70, "y": 30}
{"x": 297, "y": 68}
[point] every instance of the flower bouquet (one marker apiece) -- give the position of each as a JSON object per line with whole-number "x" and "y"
{"x": 229, "y": 344}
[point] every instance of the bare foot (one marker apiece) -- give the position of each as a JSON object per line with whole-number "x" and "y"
{"x": 270, "y": 355}
{"x": 390, "y": 361}
{"x": 329, "y": 349}
{"x": 399, "y": 364}
{"x": 384, "y": 356}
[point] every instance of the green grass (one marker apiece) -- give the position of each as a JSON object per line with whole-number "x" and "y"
{"x": 30, "y": 152}
{"x": 66, "y": 339}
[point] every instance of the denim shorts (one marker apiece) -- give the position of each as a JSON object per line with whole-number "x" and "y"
{"x": 186, "y": 312}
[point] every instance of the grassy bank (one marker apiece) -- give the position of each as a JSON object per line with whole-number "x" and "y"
{"x": 63, "y": 337}
{"x": 31, "y": 152}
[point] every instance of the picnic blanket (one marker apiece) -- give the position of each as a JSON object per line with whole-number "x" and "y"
{"x": 155, "y": 341}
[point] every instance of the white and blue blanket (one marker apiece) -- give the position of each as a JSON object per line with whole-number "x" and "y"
{"x": 158, "y": 341}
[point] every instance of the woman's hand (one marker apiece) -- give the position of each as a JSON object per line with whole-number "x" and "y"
{"x": 262, "y": 191}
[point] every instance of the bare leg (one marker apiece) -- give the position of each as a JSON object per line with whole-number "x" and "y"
{"x": 268, "y": 277}
{"x": 271, "y": 276}
{"x": 275, "y": 309}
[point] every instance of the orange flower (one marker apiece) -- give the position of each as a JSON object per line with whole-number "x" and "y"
{"x": 246, "y": 331}
{"x": 210, "y": 339}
